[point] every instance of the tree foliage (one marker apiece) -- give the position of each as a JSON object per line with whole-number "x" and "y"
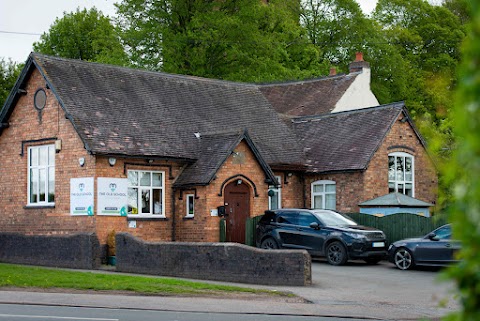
{"x": 463, "y": 173}
{"x": 242, "y": 40}
{"x": 9, "y": 72}
{"x": 84, "y": 34}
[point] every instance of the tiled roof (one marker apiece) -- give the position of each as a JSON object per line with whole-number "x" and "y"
{"x": 213, "y": 150}
{"x": 396, "y": 199}
{"x": 133, "y": 112}
{"x": 309, "y": 97}
{"x": 347, "y": 140}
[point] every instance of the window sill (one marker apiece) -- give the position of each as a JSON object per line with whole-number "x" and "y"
{"x": 146, "y": 218}
{"x": 35, "y": 207}
{"x": 186, "y": 218}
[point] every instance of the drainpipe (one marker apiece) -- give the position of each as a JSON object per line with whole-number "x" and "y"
{"x": 174, "y": 219}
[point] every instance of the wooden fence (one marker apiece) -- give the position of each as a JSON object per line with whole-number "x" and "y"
{"x": 396, "y": 226}
{"x": 400, "y": 226}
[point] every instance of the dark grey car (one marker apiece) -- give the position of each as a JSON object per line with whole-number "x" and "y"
{"x": 434, "y": 249}
{"x": 321, "y": 233}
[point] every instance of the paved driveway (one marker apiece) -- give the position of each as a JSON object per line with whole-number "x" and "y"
{"x": 379, "y": 291}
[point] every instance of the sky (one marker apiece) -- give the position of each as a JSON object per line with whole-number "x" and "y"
{"x": 23, "y": 21}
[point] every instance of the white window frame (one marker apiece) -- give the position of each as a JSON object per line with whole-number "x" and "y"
{"x": 278, "y": 191}
{"x": 189, "y": 198}
{"x": 151, "y": 188}
{"x": 37, "y": 167}
{"x": 403, "y": 182}
{"x": 323, "y": 194}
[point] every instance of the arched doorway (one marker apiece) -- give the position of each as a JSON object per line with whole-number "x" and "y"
{"x": 237, "y": 210}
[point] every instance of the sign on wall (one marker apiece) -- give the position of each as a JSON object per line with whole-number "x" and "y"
{"x": 81, "y": 196}
{"x": 112, "y": 196}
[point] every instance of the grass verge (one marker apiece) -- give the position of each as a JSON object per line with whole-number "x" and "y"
{"x": 37, "y": 277}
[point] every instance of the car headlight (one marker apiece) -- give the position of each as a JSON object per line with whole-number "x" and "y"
{"x": 357, "y": 236}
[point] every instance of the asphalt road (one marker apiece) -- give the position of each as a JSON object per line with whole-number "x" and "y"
{"x": 356, "y": 291}
{"x": 54, "y": 313}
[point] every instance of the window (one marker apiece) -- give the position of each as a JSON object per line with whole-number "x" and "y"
{"x": 275, "y": 201}
{"x": 190, "y": 205}
{"x": 324, "y": 195}
{"x": 146, "y": 196}
{"x": 400, "y": 174}
{"x": 305, "y": 219}
{"x": 444, "y": 233}
{"x": 41, "y": 175}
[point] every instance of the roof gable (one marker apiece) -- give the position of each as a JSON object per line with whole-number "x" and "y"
{"x": 213, "y": 150}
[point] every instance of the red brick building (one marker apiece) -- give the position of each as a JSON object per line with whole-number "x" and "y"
{"x": 96, "y": 148}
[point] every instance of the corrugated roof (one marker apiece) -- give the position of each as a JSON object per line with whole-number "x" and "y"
{"x": 396, "y": 199}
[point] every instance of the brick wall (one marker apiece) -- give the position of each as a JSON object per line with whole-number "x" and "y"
{"x": 356, "y": 187}
{"x": 80, "y": 251}
{"x": 228, "y": 262}
{"x": 401, "y": 138}
{"x": 24, "y": 126}
{"x": 204, "y": 227}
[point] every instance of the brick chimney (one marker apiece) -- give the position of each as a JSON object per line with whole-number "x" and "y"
{"x": 333, "y": 71}
{"x": 358, "y": 64}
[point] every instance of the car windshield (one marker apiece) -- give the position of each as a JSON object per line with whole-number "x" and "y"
{"x": 330, "y": 218}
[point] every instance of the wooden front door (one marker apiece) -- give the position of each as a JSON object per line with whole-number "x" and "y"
{"x": 237, "y": 210}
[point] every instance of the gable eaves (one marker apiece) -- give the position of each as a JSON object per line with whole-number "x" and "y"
{"x": 13, "y": 96}
{"x": 60, "y": 101}
{"x": 270, "y": 177}
{"x": 389, "y": 128}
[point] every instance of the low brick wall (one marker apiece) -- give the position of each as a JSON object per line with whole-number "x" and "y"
{"x": 230, "y": 262}
{"x": 78, "y": 251}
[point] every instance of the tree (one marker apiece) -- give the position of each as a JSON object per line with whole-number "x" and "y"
{"x": 242, "y": 40}
{"x": 84, "y": 34}
{"x": 9, "y": 72}
{"x": 463, "y": 173}
{"x": 428, "y": 39}
{"x": 337, "y": 27}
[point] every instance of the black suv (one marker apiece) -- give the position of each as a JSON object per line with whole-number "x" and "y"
{"x": 321, "y": 233}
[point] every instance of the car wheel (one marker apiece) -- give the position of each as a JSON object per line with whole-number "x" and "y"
{"x": 336, "y": 253}
{"x": 269, "y": 243}
{"x": 403, "y": 259}
{"x": 372, "y": 260}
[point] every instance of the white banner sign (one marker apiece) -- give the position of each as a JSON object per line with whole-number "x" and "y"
{"x": 112, "y": 196}
{"x": 81, "y": 196}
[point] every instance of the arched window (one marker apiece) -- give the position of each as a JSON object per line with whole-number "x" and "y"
{"x": 324, "y": 195}
{"x": 401, "y": 178}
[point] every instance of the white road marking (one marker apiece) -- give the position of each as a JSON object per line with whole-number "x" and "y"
{"x": 52, "y": 317}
